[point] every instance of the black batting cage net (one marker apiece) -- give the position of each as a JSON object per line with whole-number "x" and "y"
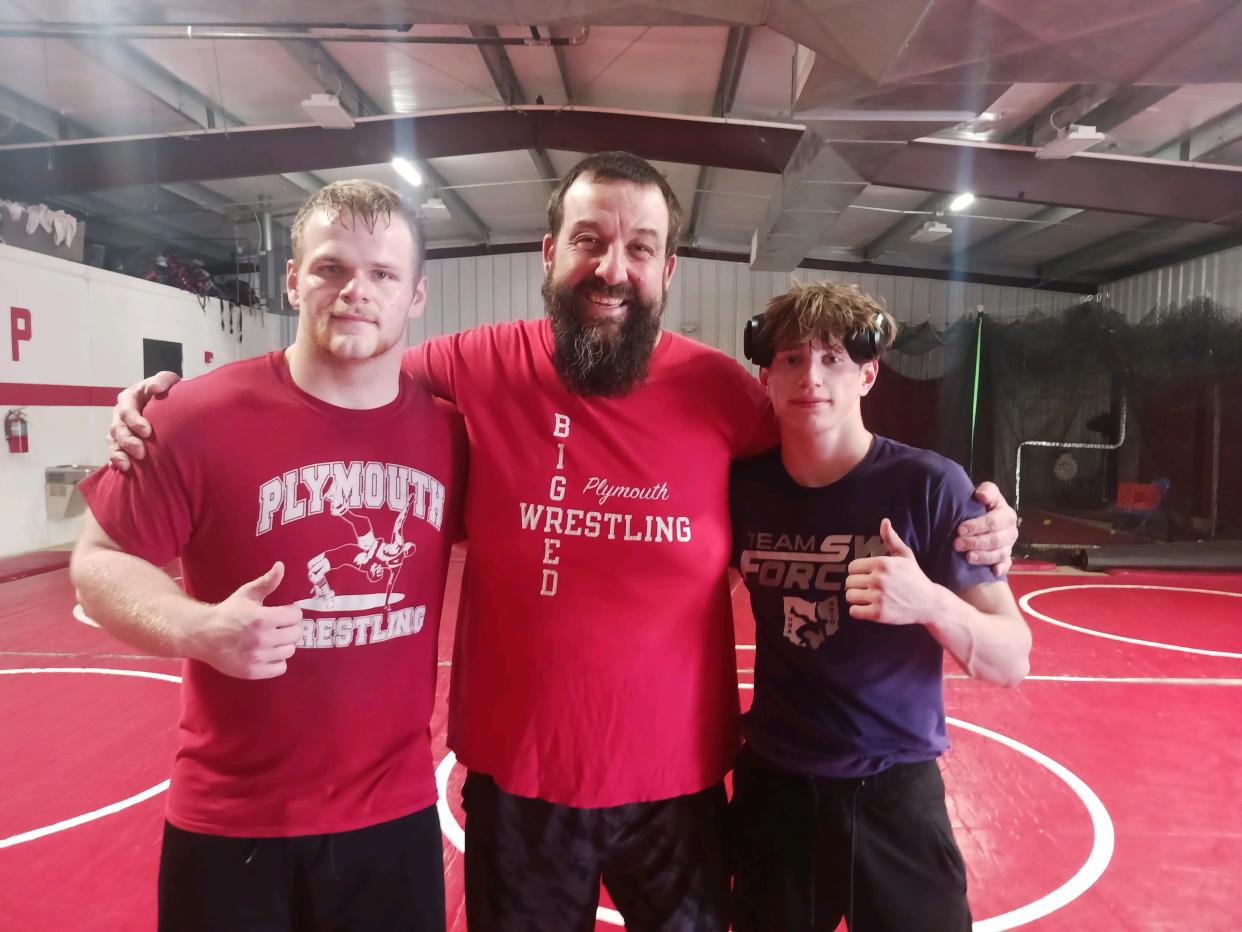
{"x": 1101, "y": 431}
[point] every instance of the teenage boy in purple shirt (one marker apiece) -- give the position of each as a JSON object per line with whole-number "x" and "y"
{"x": 845, "y": 542}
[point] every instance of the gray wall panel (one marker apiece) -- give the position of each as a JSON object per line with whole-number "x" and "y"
{"x": 1217, "y": 276}
{"x": 709, "y": 300}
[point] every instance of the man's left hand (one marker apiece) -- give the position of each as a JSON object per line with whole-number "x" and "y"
{"x": 988, "y": 540}
{"x": 891, "y": 590}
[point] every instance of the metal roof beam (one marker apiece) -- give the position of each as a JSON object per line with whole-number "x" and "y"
{"x": 562, "y": 65}
{"x": 123, "y": 59}
{"x": 1125, "y": 105}
{"x": 146, "y": 225}
{"x": 319, "y": 62}
{"x": 1149, "y": 187}
{"x": 1098, "y": 253}
{"x": 202, "y": 196}
{"x": 1017, "y": 231}
{"x": 307, "y": 181}
{"x": 1070, "y": 104}
{"x": 736, "y": 46}
{"x": 500, "y": 67}
{"x": 1104, "y": 115}
{"x": 904, "y": 228}
{"x": 97, "y": 165}
{"x": 43, "y": 120}
{"x": 1107, "y": 114}
{"x": 1205, "y": 141}
{"x": 48, "y": 122}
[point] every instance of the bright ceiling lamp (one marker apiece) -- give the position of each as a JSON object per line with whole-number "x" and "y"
{"x": 408, "y": 172}
{"x": 962, "y": 201}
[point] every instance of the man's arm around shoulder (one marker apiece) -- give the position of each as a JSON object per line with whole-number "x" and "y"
{"x": 981, "y": 628}
{"x": 139, "y": 604}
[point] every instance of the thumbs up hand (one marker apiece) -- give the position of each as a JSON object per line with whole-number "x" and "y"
{"x": 890, "y": 590}
{"x": 244, "y": 638}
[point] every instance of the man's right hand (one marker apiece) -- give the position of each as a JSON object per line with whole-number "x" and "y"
{"x": 128, "y": 427}
{"x": 244, "y": 638}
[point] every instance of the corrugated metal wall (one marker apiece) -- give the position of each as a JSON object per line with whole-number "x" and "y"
{"x": 709, "y": 300}
{"x": 1217, "y": 276}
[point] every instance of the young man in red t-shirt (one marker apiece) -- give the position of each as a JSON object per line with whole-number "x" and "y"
{"x": 322, "y": 480}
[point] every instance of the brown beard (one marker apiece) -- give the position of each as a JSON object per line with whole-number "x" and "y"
{"x": 602, "y": 358}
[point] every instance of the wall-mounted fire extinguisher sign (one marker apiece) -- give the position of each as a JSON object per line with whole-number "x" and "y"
{"x": 16, "y": 431}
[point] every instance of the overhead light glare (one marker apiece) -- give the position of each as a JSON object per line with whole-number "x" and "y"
{"x": 962, "y": 201}
{"x": 931, "y": 231}
{"x": 326, "y": 110}
{"x": 407, "y": 171}
{"x": 1070, "y": 139}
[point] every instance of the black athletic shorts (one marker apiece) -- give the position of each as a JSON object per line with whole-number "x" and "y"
{"x": 532, "y": 866}
{"x": 878, "y": 851}
{"x": 388, "y": 876}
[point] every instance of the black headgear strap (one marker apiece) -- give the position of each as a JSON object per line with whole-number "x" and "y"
{"x": 862, "y": 345}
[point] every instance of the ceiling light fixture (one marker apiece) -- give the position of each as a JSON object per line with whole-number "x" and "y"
{"x": 407, "y": 171}
{"x": 1069, "y": 139}
{"x": 434, "y": 209}
{"x": 326, "y": 110}
{"x": 931, "y": 231}
{"x": 962, "y": 201}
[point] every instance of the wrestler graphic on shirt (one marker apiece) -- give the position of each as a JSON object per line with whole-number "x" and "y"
{"x": 807, "y": 624}
{"x": 368, "y": 554}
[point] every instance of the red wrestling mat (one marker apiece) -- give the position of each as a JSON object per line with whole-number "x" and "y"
{"x": 1192, "y": 624}
{"x": 1107, "y": 736}
{"x": 31, "y": 564}
{"x": 86, "y": 758}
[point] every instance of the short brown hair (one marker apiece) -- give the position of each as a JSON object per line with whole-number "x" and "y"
{"x": 617, "y": 166}
{"x": 828, "y": 311}
{"x": 359, "y": 199}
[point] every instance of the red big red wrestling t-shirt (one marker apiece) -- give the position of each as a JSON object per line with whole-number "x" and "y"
{"x": 594, "y": 660}
{"x": 245, "y": 469}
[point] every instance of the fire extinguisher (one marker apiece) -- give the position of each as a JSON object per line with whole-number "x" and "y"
{"x": 16, "y": 431}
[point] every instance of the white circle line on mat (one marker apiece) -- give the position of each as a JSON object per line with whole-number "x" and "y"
{"x": 111, "y": 808}
{"x": 1101, "y": 847}
{"x": 1090, "y": 871}
{"x": 1025, "y": 603}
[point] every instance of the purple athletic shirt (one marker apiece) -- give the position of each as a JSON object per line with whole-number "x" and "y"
{"x": 834, "y": 696}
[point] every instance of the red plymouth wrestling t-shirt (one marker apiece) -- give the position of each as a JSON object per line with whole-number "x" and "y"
{"x": 245, "y": 469}
{"x": 594, "y": 661}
